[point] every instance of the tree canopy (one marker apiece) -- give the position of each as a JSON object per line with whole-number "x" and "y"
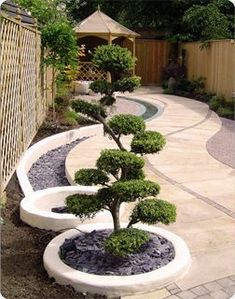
{"x": 165, "y": 16}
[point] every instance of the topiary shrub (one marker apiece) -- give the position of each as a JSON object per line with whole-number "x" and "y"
{"x": 101, "y": 86}
{"x": 126, "y": 124}
{"x": 119, "y": 171}
{"x": 83, "y": 205}
{"x": 113, "y": 59}
{"x": 91, "y": 176}
{"x": 147, "y": 142}
{"x": 127, "y": 84}
{"x": 126, "y": 241}
{"x": 151, "y": 211}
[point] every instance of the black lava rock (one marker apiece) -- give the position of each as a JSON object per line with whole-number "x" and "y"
{"x": 49, "y": 170}
{"x": 86, "y": 253}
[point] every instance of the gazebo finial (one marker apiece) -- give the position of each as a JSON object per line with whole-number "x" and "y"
{"x": 98, "y": 7}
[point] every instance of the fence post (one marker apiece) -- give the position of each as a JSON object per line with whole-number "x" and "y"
{"x": 20, "y": 43}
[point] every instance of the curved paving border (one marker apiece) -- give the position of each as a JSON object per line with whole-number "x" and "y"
{"x": 221, "y": 146}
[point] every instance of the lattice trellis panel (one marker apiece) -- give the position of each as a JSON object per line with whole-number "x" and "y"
{"x": 88, "y": 72}
{"x": 22, "y": 108}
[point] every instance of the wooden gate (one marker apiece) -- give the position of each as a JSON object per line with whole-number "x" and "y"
{"x": 152, "y": 56}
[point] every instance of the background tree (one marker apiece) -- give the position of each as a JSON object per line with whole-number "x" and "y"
{"x": 161, "y": 15}
{"x": 58, "y": 38}
{"x": 119, "y": 172}
{"x": 206, "y": 22}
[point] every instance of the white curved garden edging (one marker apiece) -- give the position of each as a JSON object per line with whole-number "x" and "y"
{"x": 35, "y": 209}
{"x": 111, "y": 285}
{"x": 42, "y": 147}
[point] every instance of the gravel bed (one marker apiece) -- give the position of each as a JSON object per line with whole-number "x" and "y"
{"x": 221, "y": 146}
{"x": 61, "y": 210}
{"x": 85, "y": 253}
{"x": 49, "y": 170}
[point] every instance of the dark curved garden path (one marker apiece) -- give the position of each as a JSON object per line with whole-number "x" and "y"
{"x": 222, "y": 145}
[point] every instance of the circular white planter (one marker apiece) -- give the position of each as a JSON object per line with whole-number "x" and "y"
{"x": 116, "y": 285}
{"x": 35, "y": 209}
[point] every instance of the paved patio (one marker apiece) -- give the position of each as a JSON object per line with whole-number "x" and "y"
{"x": 202, "y": 188}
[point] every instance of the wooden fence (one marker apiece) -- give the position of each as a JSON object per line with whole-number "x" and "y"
{"x": 22, "y": 102}
{"x": 216, "y": 63}
{"x": 152, "y": 56}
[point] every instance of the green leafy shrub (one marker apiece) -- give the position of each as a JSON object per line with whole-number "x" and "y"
{"x": 101, "y": 86}
{"x": 203, "y": 96}
{"x": 221, "y": 107}
{"x": 126, "y": 124}
{"x": 215, "y": 102}
{"x": 126, "y": 241}
{"x": 134, "y": 174}
{"x": 69, "y": 121}
{"x": 72, "y": 114}
{"x": 174, "y": 70}
{"x": 113, "y": 58}
{"x": 127, "y": 84}
{"x": 71, "y": 118}
{"x": 134, "y": 190}
{"x": 61, "y": 102}
{"x": 91, "y": 110}
{"x": 83, "y": 205}
{"x": 227, "y": 112}
{"x": 107, "y": 100}
{"x": 147, "y": 142}
{"x": 91, "y": 176}
{"x": 112, "y": 161}
{"x": 151, "y": 211}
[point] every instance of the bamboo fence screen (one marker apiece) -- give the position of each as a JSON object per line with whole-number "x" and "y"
{"x": 23, "y": 105}
{"x": 216, "y": 63}
{"x": 89, "y": 72}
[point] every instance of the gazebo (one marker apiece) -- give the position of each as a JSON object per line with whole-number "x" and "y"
{"x": 98, "y": 29}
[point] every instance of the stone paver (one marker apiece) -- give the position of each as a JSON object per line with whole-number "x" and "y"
{"x": 213, "y": 286}
{"x": 160, "y": 294}
{"x": 200, "y": 290}
{"x": 202, "y": 188}
{"x": 187, "y": 295}
{"x": 220, "y": 295}
{"x": 225, "y": 282}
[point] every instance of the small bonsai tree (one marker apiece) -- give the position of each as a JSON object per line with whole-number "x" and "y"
{"x": 120, "y": 172}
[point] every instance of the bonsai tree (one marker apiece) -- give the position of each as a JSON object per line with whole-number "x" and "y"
{"x": 120, "y": 172}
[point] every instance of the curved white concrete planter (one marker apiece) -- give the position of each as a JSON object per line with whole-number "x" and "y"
{"x": 42, "y": 147}
{"x": 116, "y": 285}
{"x": 82, "y": 87}
{"x": 35, "y": 209}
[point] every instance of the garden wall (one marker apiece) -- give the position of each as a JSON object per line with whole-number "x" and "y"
{"x": 216, "y": 63}
{"x": 23, "y": 102}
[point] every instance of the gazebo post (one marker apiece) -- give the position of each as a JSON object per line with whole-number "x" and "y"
{"x": 109, "y": 79}
{"x": 133, "y": 53}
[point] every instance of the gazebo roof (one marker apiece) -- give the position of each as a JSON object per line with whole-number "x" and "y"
{"x": 99, "y": 23}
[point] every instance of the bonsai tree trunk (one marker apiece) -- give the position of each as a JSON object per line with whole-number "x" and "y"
{"x": 107, "y": 128}
{"x": 115, "y": 214}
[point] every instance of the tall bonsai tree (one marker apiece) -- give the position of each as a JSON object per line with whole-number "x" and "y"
{"x": 119, "y": 172}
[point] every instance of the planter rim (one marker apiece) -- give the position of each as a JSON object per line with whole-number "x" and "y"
{"x": 113, "y": 285}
